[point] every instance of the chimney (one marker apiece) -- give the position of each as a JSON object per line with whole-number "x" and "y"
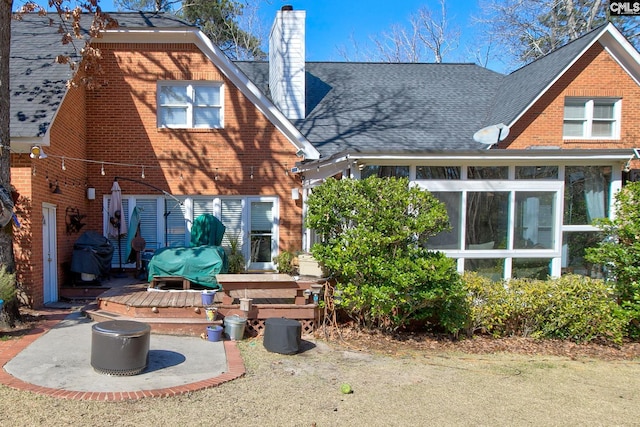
{"x": 286, "y": 62}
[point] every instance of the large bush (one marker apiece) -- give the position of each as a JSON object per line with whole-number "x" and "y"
{"x": 571, "y": 307}
{"x": 619, "y": 253}
{"x": 372, "y": 231}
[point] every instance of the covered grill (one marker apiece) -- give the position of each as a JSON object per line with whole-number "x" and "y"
{"x": 92, "y": 254}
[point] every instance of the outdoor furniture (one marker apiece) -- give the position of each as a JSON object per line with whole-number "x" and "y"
{"x": 282, "y": 335}
{"x": 120, "y": 347}
{"x": 186, "y": 283}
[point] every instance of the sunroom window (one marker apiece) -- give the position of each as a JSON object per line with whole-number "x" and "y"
{"x": 591, "y": 118}
{"x": 190, "y": 105}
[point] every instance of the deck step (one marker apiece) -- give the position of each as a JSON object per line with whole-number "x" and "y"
{"x": 189, "y": 326}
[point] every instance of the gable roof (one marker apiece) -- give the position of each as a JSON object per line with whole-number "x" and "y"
{"x": 351, "y": 106}
{"x": 37, "y": 82}
{"x": 36, "y": 96}
{"x": 393, "y": 107}
{"x": 522, "y": 87}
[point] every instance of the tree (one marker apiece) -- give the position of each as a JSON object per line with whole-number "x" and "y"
{"x": 372, "y": 233}
{"x": 524, "y": 30}
{"x": 429, "y": 37}
{"x": 619, "y": 253}
{"x": 221, "y": 20}
{"x": 88, "y": 57}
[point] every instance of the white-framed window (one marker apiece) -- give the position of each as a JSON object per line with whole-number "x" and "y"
{"x": 597, "y": 118}
{"x": 190, "y": 104}
{"x": 251, "y": 220}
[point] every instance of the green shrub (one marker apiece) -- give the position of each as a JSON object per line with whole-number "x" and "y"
{"x": 7, "y": 285}
{"x": 571, "y": 307}
{"x": 488, "y": 303}
{"x": 372, "y": 231}
{"x": 581, "y": 309}
{"x": 237, "y": 262}
{"x": 619, "y": 253}
{"x": 284, "y": 262}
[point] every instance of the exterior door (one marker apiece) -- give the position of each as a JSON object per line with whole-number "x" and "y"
{"x": 49, "y": 254}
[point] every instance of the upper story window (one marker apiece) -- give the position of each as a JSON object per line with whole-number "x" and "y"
{"x": 190, "y": 105}
{"x": 591, "y": 118}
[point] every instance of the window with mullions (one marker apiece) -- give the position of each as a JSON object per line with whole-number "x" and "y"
{"x": 591, "y": 118}
{"x": 190, "y": 105}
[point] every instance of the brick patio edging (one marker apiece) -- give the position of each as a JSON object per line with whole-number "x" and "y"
{"x": 10, "y": 348}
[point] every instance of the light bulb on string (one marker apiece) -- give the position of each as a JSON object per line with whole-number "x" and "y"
{"x": 102, "y": 170}
{"x": 215, "y": 178}
{"x": 142, "y": 175}
{"x": 251, "y": 176}
{"x": 64, "y": 167}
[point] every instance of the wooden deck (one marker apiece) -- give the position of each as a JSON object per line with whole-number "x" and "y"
{"x": 181, "y": 311}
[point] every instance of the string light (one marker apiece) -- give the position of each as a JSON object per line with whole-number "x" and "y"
{"x": 252, "y": 169}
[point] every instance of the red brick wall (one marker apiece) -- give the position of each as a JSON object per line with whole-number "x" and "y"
{"x": 184, "y": 161}
{"x": 67, "y": 138}
{"x": 596, "y": 74}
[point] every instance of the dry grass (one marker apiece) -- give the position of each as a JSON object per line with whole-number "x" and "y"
{"x": 414, "y": 381}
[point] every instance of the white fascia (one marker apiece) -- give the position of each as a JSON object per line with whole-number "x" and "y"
{"x": 226, "y": 66}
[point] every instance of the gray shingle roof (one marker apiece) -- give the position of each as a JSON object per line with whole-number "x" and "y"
{"x": 37, "y": 83}
{"x": 367, "y": 107}
{"x": 377, "y": 106}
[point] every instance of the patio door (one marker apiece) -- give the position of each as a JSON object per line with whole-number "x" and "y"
{"x": 262, "y": 234}
{"x": 49, "y": 254}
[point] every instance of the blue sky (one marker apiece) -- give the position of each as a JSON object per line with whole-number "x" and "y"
{"x": 332, "y": 24}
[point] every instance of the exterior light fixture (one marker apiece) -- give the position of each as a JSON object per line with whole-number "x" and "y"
{"x": 37, "y": 152}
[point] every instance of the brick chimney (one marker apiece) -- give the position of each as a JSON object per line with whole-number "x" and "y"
{"x": 286, "y": 62}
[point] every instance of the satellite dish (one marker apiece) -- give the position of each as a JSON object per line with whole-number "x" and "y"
{"x": 491, "y": 134}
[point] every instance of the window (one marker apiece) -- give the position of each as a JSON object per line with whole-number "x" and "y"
{"x": 591, "y": 118}
{"x": 586, "y": 194}
{"x": 437, "y": 172}
{"x": 190, "y": 105}
{"x": 385, "y": 171}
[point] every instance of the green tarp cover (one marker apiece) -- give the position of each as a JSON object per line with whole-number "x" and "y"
{"x": 199, "y": 264}
{"x": 207, "y": 230}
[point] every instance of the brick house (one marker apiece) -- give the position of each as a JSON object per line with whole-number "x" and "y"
{"x": 523, "y": 161}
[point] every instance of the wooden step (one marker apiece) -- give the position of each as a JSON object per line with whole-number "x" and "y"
{"x": 188, "y": 326}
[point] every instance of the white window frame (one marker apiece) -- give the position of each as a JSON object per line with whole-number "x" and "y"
{"x": 588, "y": 119}
{"x": 190, "y": 86}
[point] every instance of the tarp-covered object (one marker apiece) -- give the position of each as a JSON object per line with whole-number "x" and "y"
{"x": 92, "y": 254}
{"x": 207, "y": 230}
{"x": 199, "y": 264}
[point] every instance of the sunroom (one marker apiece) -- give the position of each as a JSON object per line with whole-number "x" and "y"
{"x": 513, "y": 213}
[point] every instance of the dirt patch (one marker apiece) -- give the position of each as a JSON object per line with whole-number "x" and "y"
{"x": 410, "y": 343}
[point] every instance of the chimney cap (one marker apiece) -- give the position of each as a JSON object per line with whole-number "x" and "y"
{"x": 287, "y": 7}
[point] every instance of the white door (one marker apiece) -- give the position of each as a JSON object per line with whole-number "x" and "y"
{"x": 49, "y": 254}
